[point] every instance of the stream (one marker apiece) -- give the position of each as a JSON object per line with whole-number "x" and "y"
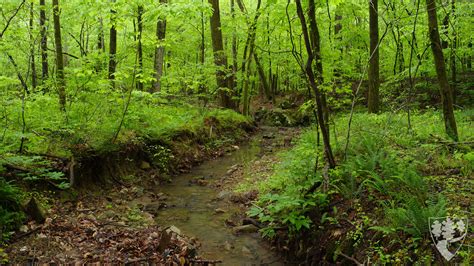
{"x": 191, "y": 208}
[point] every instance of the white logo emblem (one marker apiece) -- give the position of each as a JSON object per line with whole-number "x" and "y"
{"x": 448, "y": 234}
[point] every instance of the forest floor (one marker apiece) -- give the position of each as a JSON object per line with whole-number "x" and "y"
{"x": 107, "y": 226}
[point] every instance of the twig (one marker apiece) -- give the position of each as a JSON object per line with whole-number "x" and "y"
{"x": 205, "y": 261}
{"x": 350, "y": 258}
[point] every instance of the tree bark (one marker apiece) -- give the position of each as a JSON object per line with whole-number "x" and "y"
{"x": 44, "y": 41}
{"x": 248, "y": 59}
{"x": 444, "y": 88}
{"x": 32, "y": 48}
{"x": 139, "y": 47}
{"x": 311, "y": 78}
{"x": 159, "y": 51}
{"x": 220, "y": 58}
{"x": 59, "y": 57}
{"x": 113, "y": 47}
{"x": 374, "y": 82}
{"x": 100, "y": 36}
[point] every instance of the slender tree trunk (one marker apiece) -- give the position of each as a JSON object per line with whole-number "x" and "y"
{"x": 311, "y": 78}
{"x": 159, "y": 51}
{"x": 139, "y": 48}
{"x": 100, "y": 36}
{"x": 453, "y": 51}
{"x": 61, "y": 82}
{"x": 248, "y": 59}
{"x": 44, "y": 41}
{"x": 220, "y": 58}
{"x": 261, "y": 74}
{"x": 113, "y": 46}
{"x": 374, "y": 82}
{"x": 235, "y": 50}
{"x": 316, "y": 47}
{"x": 32, "y": 48}
{"x": 469, "y": 58}
{"x": 445, "y": 90}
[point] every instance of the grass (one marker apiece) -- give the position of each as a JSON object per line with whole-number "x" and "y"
{"x": 92, "y": 121}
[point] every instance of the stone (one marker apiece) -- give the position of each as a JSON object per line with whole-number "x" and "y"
{"x": 144, "y": 165}
{"x": 224, "y": 195}
{"x": 219, "y": 210}
{"x": 174, "y": 229}
{"x": 245, "y": 229}
{"x": 35, "y": 211}
{"x": 228, "y": 246}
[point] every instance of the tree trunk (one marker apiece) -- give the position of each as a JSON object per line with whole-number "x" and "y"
{"x": 373, "y": 97}
{"x": 113, "y": 46}
{"x": 139, "y": 47}
{"x": 159, "y": 51}
{"x": 220, "y": 58}
{"x": 44, "y": 41}
{"x": 311, "y": 78}
{"x": 453, "y": 52}
{"x": 100, "y": 37}
{"x": 32, "y": 49}
{"x": 59, "y": 57}
{"x": 444, "y": 88}
{"x": 248, "y": 59}
{"x": 233, "y": 81}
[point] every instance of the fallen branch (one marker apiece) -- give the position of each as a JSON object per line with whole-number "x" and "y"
{"x": 350, "y": 258}
{"x": 202, "y": 261}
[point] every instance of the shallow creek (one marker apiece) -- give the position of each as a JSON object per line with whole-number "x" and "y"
{"x": 191, "y": 208}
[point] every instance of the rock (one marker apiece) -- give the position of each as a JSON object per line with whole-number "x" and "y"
{"x": 34, "y": 210}
{"x": 144, "y": 165}
{"x": 174, "y": 229}
{"x": 246, "y": 252}
{"x": 228, "y": 246}
{"x": 219, "y": 210}
{"x": 245, "y": 229}
{"x": 232, "y": 169}
{"x": 224, "y": 195}
{"x": 154, "y": 207}
{"x": 23, "y": 229}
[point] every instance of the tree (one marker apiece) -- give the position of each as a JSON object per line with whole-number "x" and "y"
{"x": 311, "y": 77}
{"x": 113, "y": 46}
{"x": 32, "y": 48}
{"x": 139, "y": 45}
{"x": 444, "y": 88}
{"x": 250, "y": 44}
{"x": 374, "y": 82}
{"x": 44, "y": 41}
{"x": 159, "y": 51}
{"x": 61, "y": 82}
{"x": 220, "y": 58}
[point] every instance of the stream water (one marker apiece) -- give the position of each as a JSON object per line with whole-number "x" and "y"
{"x": 191, "y": 208}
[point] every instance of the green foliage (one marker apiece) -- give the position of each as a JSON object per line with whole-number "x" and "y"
{"x": 288, "y": 198}
{"x": 11, "y": 215}
{"x": 412, "y": 216}
{"x": 386, "y": 178}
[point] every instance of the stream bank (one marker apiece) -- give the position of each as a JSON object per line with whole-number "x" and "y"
{"x": 192, "y": 218}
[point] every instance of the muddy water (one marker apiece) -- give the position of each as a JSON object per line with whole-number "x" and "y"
{"x": 191, "y": 208}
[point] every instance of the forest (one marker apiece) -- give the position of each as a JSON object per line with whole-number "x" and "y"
{"x": 237, "y": 132}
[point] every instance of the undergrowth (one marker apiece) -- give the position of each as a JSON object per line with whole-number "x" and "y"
{"x": 389, "y": 171}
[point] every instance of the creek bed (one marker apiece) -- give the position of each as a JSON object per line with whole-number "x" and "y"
{"x": 192, "y": 208}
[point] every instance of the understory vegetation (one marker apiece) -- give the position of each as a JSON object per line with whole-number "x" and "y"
{"x": 39, "y": 146}
{"x": 377, "y": 203}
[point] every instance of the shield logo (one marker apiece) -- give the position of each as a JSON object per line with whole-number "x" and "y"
{"x": 448, "y": 234}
